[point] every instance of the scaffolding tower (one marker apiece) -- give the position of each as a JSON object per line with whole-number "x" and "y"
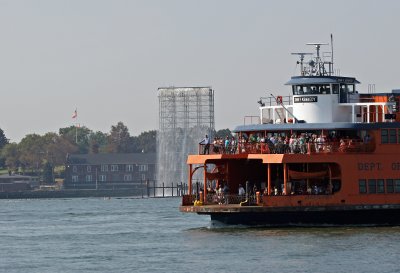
{"x": 186, "y": 115}
{"x": 186, "y": 107}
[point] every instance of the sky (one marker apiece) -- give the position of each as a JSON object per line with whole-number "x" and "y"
{"x": 108, "y": 58}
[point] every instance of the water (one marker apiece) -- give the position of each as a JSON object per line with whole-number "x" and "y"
{"x": 151, "y": 235}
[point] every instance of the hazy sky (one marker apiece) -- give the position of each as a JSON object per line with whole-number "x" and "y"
{"x": 107, "y": 58}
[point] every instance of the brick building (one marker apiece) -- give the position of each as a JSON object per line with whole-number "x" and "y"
{"x": 109, "y": 171}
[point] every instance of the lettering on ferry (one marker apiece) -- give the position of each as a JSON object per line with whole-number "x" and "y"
{"x": 396, "y": 166}
{"x": 306, "y": 99}
{"x": 370, "y": 166}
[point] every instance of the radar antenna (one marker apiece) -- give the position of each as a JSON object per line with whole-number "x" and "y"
{"x": 301, "y": 62}
{"x": 320, "y": 68}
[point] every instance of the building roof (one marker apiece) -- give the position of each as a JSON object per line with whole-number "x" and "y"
{"x": 300, "y": 80}
{"x": 315, "y": 126}
{"x": 112, "y": 158}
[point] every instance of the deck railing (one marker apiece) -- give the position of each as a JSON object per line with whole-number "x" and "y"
{"x": 220, "y": 199}
{"x": 345, "y": 146}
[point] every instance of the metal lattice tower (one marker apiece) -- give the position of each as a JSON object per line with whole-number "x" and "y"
{"x": 186, "y": 115}
{"x": 186, "y": 107}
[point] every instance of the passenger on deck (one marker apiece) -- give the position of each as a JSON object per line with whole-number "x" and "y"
{"x": 241, "y": 191}
{"x": 206, "y": 143}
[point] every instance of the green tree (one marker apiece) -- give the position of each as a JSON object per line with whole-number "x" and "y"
{"x": 10, "y": 153}
{"x": 118, "y": 139}
{"x": 223, "y": 133}
{"x": 97, "y": 142}
{"x": 147, "y": 142}
{"x": 56, "y": 148}
{"x": 78, "y": 136}
{"x": 3, "y": 140}
{"x": 32, "y": 152}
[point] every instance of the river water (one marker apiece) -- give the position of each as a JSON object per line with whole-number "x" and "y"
{"x": 151, "y": 235}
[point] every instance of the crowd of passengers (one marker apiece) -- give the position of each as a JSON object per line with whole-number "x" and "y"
{"x": 296, "y": 143}
{"x": 221, "y": 194}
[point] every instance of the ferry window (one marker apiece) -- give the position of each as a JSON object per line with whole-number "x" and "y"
{"x": 384, "y": 136}
{"x": 389, "y": 186}
{"x": 397, "y": 185}
{"x": 74, "y": 169}
{"x": 325, "y": 89}
{"x": 362, "y": 185}
{"x": 372, "y": 186}
{"x": 298, "y": 90}
{"x": 380, "y": 186}
{"x": 312, "y": 89}
{"x": 335, "y": 88}
{"x": 392, "y": 136}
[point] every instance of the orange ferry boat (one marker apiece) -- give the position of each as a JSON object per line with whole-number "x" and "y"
{"x": 325, "y": 155}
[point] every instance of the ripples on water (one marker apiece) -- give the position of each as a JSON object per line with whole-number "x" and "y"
{"x": 151, "y": 235}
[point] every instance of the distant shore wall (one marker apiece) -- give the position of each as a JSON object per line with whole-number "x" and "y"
{"x": 71, "y": 194}
{"x": 143, "y": 192}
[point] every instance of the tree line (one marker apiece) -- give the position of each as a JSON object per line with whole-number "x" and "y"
{"x": 43, "y": 152}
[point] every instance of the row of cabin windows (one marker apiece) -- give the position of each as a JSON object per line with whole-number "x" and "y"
{"x": 113, "y": 168}
{"x": 379, "y": 186}
{"x": 322, "y": 89}
{"x": 390, "y": 136}
{"x": 103, "y": 178}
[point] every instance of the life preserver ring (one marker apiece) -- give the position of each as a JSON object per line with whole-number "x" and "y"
{"x": 279, "y": 99}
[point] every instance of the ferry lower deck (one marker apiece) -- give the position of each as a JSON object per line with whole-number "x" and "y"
{"x": 235, "y": 214}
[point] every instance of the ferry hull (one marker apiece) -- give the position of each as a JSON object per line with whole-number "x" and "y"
{"x": 339, "y": 217}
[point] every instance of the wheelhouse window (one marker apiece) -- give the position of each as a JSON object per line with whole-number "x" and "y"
{"x": 348, "y": 88}
{"x": 75, "y": 178}
{"x": 114, "y": 168}
{"x": 335, "y": 89}
{"x": 102, "y": 177}
{"x": 362, "y": 184}
{"x": 311, "y": 89}
{"x": 104, "y": 168}
{"x": 371, "y": 186}
{"x": 129, "y": 168}
{"x": 88, "y": 178}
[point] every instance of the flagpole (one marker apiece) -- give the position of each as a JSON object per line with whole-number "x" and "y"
{"x": 76, "y": 125}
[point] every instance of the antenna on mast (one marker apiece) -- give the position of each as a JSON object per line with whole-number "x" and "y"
{"x": 320, "y": 64}
{"x": 331, "y": 64}
{"x": 301, "y": 54}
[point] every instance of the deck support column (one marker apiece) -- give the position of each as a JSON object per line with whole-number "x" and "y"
{"x": 190, "y": 179}
{"x": 269, "y": 179}
{"x": 205, "y": 184}
{"x": 285, "y": 178}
